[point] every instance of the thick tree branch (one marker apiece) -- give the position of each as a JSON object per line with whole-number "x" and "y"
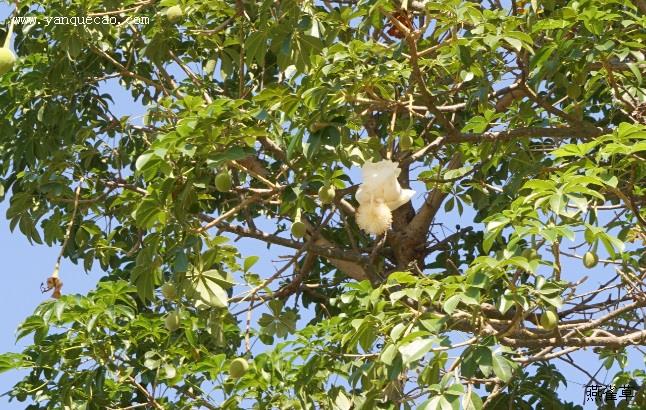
{"x": 635, "y": 338}
{"x": 328, "y": 252}
{"x": 528, "y": 132}
{"x": 422, "y": 220}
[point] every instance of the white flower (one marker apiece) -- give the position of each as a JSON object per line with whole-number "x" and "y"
{"x": 380, "y": 181}
{"x": 374, "y": 217}
{"x": 380, "y": 191}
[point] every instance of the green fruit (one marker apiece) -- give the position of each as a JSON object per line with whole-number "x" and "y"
{"x": 169, "y": 291}
{"x": 209, "y": 67}
{"x": 405, "y": 142}
{"x": 549, "y": 319}
{"x": 590, "y": 260}
{"x": 174, "y": 14}
{"x": 238, "y": 368}
{"x": 327, "y": 194}
{"x": 573, "y": 91}
{"x": 7, "y": 60}
{"x": 223, "y": 182}
{"x": 298, "y": 229}
{"x": 172, "y": 321}
{"x": 530, "y": 254}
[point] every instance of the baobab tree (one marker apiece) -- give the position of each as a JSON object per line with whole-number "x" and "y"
{"x": 350, "y": 138}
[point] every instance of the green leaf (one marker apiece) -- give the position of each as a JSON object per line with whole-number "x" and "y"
{"x": 342, "y": 402}
{"x": 451, "y": 303}
{"x": 415, "y": 350}
{"x": 313, "y": 144}
{"x": 471, "y": 401}
{"x": 477, "y": 124}
{"x": 506, "y": 303}
{"x": 557, "y": 203}
{"x": 249, "y": 262}
{"x": 230, "y": 154}
{"x": 494, "y": 227}
{"x": 256, "y": 46}
{"x": 437, "y": 403}
{"x": 611, "y": 244}
{"x": 12, "y": 361}
{"x": 402, "y": 278}
{"x": 205, "y": 287}
{"x": 181, "y": 263}
{"x": 484, "y": 360}
{"x": 514, "y": 42}
{"x": 388, "y": 354}
{"x": 143, "y": 159}
{"x": 636, "y": 70}
{"x": 501, "y": 367}
{"x": 33, "y": 324}
{"x": 145, "y": 277}
{"x": 280, "y": 322}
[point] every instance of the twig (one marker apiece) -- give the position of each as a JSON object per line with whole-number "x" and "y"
{"x": 142, "y": 389}
{"x": 255, "y": 175}
{"x": 124, "y": 71}
{"x": 247, "y": 201}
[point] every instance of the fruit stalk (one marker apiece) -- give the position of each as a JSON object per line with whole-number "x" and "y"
{"x": 7, "y": 39}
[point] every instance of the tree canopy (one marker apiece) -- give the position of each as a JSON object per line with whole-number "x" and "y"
{"x": 522, "y": 120}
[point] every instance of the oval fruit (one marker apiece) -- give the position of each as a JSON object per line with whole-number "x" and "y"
{"x": 223, "y": 182}
{"x": 573, "y": 91}
{"x": 174, "y": 14}
{"x": 209, "y": 67}
{"x": 590, "y": 260}
{"x": 530, "y": 254}
{"x": 7, "y": 60}
{"x": 549, "y": 319}
{"x": 298, "y": 229}
{"x": 327, "y": 194}
{"x": 169, "y": 291}
{"x": 238, "y": 368}
{"x": 172, "y": 321}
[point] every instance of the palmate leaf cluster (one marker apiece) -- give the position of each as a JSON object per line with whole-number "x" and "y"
{"x": 525, "y": 122}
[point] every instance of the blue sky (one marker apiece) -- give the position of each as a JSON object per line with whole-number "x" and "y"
{"x": 26, "y": 266}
